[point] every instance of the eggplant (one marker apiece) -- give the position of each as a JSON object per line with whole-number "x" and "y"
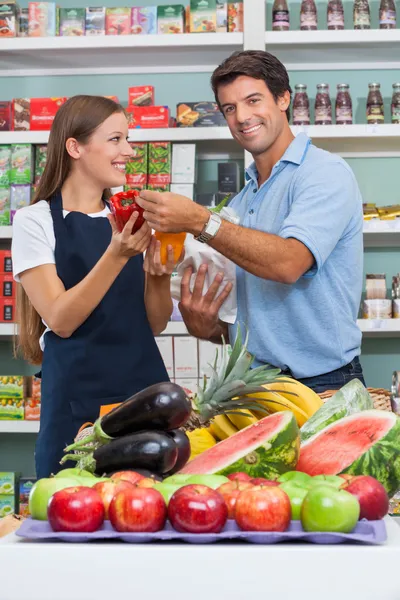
{"x": 155, "y": 451}
{"x": 183, "y": 444}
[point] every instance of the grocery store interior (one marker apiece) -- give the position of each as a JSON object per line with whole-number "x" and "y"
{"x": 50, "y": 54}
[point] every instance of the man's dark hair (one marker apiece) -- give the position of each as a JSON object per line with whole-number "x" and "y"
{"x": 256, "y": 64}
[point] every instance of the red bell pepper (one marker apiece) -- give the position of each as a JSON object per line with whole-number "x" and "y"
{"x": 122, "y": 205}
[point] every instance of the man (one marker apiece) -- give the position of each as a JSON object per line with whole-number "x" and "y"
{"x": 299, "y": 245}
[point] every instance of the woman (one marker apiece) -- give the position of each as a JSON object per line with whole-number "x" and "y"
{"x": 89, "y": 303}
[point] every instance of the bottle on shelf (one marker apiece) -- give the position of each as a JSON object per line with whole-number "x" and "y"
{"x": 396, "y": 104}
{"x": 343, "y": 106}
{"x": 375, "y": 110}
{"x": 301, "y": 105}
{"x": 308, "y": 15}
{"x": 323, "y": 106}
{"x": 387, "y": 14}
{"x": 361, "y": 14}
{"x": 335, "y": 14}
{"x": 280, "y": 16}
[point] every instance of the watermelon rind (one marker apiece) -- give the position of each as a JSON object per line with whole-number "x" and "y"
{"x": 380, "y": 460}
{"x": 351, "y": 398}
{"x": 267, "y": 449}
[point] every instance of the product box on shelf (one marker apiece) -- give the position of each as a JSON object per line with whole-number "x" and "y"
{"x": 11, "y": 409}
{"x": 166, "y": 348}
{"x": 203, "y": 16}
{"x": 25, "y": 486}
{"x": 189, "y": 385}
{"x": 95, "y": 22}
{"x": 199, "y": 114}
{"x": 235, "y": 17}
{"x": 228, "y": 178}
{"x": 148, "y": 117}
{"x": 7, "y": 505}
{"x": 72, "y": 21}
{"x": 118, "y": 21}
{"x": 159, "y": 166}
{"x": 5, "y": 261}
{"x": 142, "y": 95}
{"x": 5, "y": 116}
{"x": 136, "y": 167}
{"x": 42, "y": 17}
{"x": 186, "y": 357}
{"x": 5, "y": 165}
{"x": 40, "y": 161}
{"x": 9, "y": 19}
{"x": 222, "y": 17}
{"x": 23, "y": 22}
{"x": 5, "y": 204}
{"x": 183, "y": 163}
{"x": 7, "y": 286}
{"x": 183, "y": 189}
{"x": 21, "y": 164}
{"x": 21, "y": 110}
{"x": 20, "y": 197}
{"x": 171, "y": 18}
{"x": 144, "y": 20}
{"x": 158, "y": 187}
{"x": 7, "y": 310}
{"x": 12, "y": 386}
{"x": 8, "y": 483}
{"x": 43, "y": 111}
{"x": 32, "y": 395}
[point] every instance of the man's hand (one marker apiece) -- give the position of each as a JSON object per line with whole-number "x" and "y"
{"x": 172, "y": 213}
{"x": 200, "y": 312}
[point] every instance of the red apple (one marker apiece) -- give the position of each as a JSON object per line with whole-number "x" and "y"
{"x": 146, "y": 482}
{"x": 108, "y": 489}
{"x": 138, "y": 510}
{"x": 130, "y": 476}
{"x": 372, "y": 496}
{"x": 263, "y": 509}
{"x": 77, "y": 508}
{"x": 230, "y": 492}
{"x": 197, "y": 508}
{"x": 239, "y": 476}
{"x": 263, "y": 482}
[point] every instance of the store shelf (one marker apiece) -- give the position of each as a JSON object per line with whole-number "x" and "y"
{"x": 336, "y": 50}
{"x": 19, "y": 426}
{"x": 382, "y": 234}
{"x": 175, "y": 328}
{"x": 99, "y": 55}
{"x": 380, "y": 327}
{"x": 347, "y": 140}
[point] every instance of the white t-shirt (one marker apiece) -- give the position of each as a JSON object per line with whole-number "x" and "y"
{"x": 33, "y": 240}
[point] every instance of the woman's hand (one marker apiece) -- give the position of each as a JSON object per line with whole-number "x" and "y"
{"x": 124, "y": 244}
{"x": 152, "y": 261}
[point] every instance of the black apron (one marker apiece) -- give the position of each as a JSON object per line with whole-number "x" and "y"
{"x": 111, "y": 356}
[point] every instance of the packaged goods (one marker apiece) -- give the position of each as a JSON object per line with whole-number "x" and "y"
{"x": 118, "y": 21}
{"x": 308, "y": 16}
{"x": 7, "y": 286}
{"x": 21, "y": 110}
{"x": 144, "y": 20}
{"x": 72, "y": 21}
{"x": 159, "y": 167}
{"x": 95, "y": 23}
{"x": 8, "y": 19}
{"x": 375, "y": 108}
{"x": 141, "y": 95}
{"x": 203, "y": 16}
{"x": 343, "y": 106}
{"x": 375, "y": 286}
{"x": 5, "y": 165}
{"x": 222, "y": 17}
{"x": 5, "y": 116}
{"x": 377, "y": 309}
{"x": 171, "y": 18}
{"x": 148, "y": 117}
{"x": 7, "y": 483}
{"x": 7, "y": 311}
{"x": 40, "y": 161}
{"x": 20, "y": 197}
{"x": 228, "y": 177}
{"x": 23, "y": 22}
{"x": 5, "y": 194}
{"x": 323, "y": 106}
{"x": 42, "y": 19}
{"x": 301, "y": 105}
{"x": 235, "y": 17}
{"x": 280, "y": 16}
{"x": 335, "y": 14}
{"x": 5, "y": 261}
{"x": 21, "y": 164}
{"x": 43, "y": 111}
{"x": 183, "y": 163}
{"x": 136, "y": 167}
{"x": 158, "y": 187}
{"x": 199, "y": 114}
{"x": 7, "y": 505}
{"x": 11, "y": 387}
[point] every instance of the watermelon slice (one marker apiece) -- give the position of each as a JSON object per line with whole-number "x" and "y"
{"x": 366, "y": 443}
{"x": 265, "y": 449}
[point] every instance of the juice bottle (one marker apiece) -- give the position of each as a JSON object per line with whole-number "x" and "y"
{"x": 387, "y": 14}
{"x": 335, "y": 14}
{"x": 280, "y": 16}
{"x": 308, "y": 15}
{"x": 344, "y": 110}
{"x": 323, "y": 106}
{"x": 396, "y": 103}
{"x": 176, "y": 240}
{"x": 361, "y": 15}
{"x": 375, "y": 113}
{"x": 301, "y": 105}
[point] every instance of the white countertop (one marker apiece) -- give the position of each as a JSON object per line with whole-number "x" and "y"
{"x": 118, "y": 571}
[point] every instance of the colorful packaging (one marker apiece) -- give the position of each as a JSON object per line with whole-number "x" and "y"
{"x": 7, "y": 315}
{"x": 8, "y": 19}
{"x": 21, "y": 164}
{"x": 171, "y": 18}
{"x": 141, "y": 95}
{"x": 33, "y": 401}
{"x": 7, "y": 483}
{"x": 159, "y": 169}
{"x": 148, "y": 117}
{"x": 7, "y": 505}
{"x": 7, "y": 285}
{"x": 144, "y": 20}
{"x": 5, "y": 116}
{"x": 199, "y": 114}
{"x": 203, "y": 16}
{"x": 161, "y": 187}
{"x": 40, "y": 161}
{"x": 72, "y": 21}
{"x": 12, "y": 387}
{"x": 25, "y": 486}
{"x": 95, "y": 20}
{"x": 235, "y": 17}
{"x": 222, "y": 17}
{"x": 5, "y": 165}
{"x": 20, "y": 197}
{"x": 136, "y": 167}
{"x": 118, "y": 21}
{"x": 43, "y": 111}
{"x": 5, "y": 261}
{"x": 5, "y": 194}
{"x": 21, "y": 110}
{"x": 23, "y": 20}
{"x": 11, "y": 408}
{"x": 42, "y": 19}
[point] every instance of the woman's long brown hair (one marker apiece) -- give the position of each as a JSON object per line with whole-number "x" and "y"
{"x": 78, "y": 118}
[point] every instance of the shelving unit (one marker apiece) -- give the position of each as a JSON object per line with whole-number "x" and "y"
{"x": 19, "y": 426}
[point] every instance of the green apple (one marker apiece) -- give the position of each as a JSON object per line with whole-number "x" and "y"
{"x": 212, "y": 481}
{"x": 180, "y": 478}
{"x": 296, "y": 476}
{"x": 42, "y": 491}
{"x": 75, "y": 472}
{"x": 90, "y": 481}
{"x": 326, "y": 508}
{"x": 333, "y": 480}
{"x": 296, "y": 493}
{"x": 167, "y": 490}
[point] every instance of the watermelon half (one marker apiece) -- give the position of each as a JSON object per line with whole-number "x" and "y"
{"x": 366, "y": 443}
{"x": 265, "y": 449}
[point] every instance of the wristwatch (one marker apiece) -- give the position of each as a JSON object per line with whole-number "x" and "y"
{"x": 210, "y": 229}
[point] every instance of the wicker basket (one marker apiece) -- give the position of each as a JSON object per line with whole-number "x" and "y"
{"x": 380, "y": 397}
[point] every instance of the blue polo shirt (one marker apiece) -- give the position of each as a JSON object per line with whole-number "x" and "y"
{"x": 309, "y": 327}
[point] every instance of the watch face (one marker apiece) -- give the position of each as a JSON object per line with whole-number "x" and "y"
{"x": 213, "y": 226}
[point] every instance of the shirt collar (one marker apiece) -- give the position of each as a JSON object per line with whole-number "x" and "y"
{"x": 294, "y": 153}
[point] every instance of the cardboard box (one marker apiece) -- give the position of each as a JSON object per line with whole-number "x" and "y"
{"x": 11, "y": 409}
{"x": 7, "y": 286}
{"x": 207, "y": 355}
{"x": 5, "y": 206}
{"x": 183, "y": 163}
{"x": 228, "y": 178}
{"x": 148, "y": 117}
{"x": 12, "y": 387}
{"x": 166, "y": 347}
{"x": 20, "y": 197}
{"x": 158, "y": 187}
{"x": 31, "y": 410}
{"x": 9, "y": 19}
{"x": 203, "y": 16}
{"x": 40, "y": 161}
{"x": 8, "y": 483}
{"x": 159, "y": 166}
{"x": 95, "y": 22}
{"x": 25, "y": 486}
{"x": 186, "y": 357}
{"x": 42, "y": 19}
{"x": 5, "y": 261}
{"x": 199, "y": 114}
{"x": 5, "y": 165}
{"x": 23, "y": 22}
{"x": 5, "y": 116}
{"x": 136, "y": 167}
{"x": 184, "y": 189}
{"x": 118, "y": 21}
{"x": 142, "y": 95}
{"x": 43, "y": 111}
{"x": 21, "y": 110}
{"x": 21, "y": 164}
{"x": 7, "y": 310}
{"x": 189, "y": 385}
{"x": 222, "y": 17}
{"x": 72, "y": 21}
{"x": 144, "y": 20}
{"x": 7, "y": 506}
{"x": 235, "y": 17}
{"x": 171, "y": 18}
